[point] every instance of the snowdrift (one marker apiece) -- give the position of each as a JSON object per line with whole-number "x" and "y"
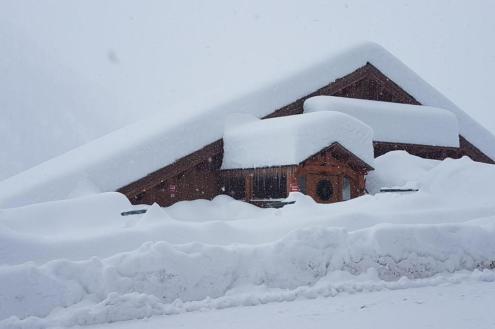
{"x": 101, "y": 267}
{"x": 160, "y": 273}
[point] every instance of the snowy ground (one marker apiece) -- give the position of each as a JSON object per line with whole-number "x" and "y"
{"x": 462, "y": 305}
{"x": 79, "y": 262}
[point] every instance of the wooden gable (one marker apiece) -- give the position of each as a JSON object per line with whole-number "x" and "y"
{"x": 334, "y": 163}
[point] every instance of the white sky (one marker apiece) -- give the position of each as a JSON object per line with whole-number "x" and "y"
{"x": 74, "y": 70}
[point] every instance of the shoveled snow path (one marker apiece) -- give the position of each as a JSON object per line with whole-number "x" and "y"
{"x": 451, "y": 305}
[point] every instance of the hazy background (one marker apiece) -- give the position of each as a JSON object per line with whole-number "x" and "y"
{"x": 71, "y": 71}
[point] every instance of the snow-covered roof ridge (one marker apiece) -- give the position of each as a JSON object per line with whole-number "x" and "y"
{"x": 394, "y": 122}
{"x": 132, "y": 152}
{"x": 292, "y": 139}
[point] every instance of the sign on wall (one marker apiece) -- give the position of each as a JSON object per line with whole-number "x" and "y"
{"x": 172, "y": 188}
{"x": 293, "y": 187}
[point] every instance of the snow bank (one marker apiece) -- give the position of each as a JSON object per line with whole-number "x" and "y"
{"x": 397, "y": 123}
{"x": 221, "y": 208}
{"x": 79, "y": 262}
{"x": 460, "y": 181}
{"x": 92, "y": 226}
{"x": 138, "y": 306}
{"x": 134, "y": 151}
{"x": 158, "y": 274}
{"x": 398, "y": 169}
{"x": 291, "y": 140}
{"x": 79, "y": 214}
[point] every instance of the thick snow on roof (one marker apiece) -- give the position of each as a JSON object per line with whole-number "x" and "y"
{"x": 392, "y": 122}
{"x": 132, "y": 152}
{"x": 291, "y": 140}
{"x": 138, "y": 59}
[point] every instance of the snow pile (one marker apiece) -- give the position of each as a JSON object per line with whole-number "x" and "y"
{"x": 160, "y": 273}
{"x": 221, "y": 208}
{"x": 293, "y": 139}
{"x": 136, "y": 150}
{"x": 462, "y": 182}
{"x": 396, "y": 123}
{"x": 28, "y": 234}
{"x": 79, "y": 262}
{"x": 398, "y": 169}
{"x": 78, "y": 214}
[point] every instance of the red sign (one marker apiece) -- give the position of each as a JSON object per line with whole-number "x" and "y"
{"x": 293, "y": 187}
{"x": 172, "y": 188}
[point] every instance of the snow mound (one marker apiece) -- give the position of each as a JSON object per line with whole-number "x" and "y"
{"x": 160, "y": 273}
{"x": 56, "y": 218}
{"x": 91, "y": 265}
{"x": 292, "y": 139}
{"x": 221, "y": 208}
{"x": 396, "y": 123}
{"x": 398, "y": 169}
{"x": 461, "y": 181}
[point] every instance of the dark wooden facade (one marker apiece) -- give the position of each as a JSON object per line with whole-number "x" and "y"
{"x": 197, "y": 175}
{"x": 331, "y": 175}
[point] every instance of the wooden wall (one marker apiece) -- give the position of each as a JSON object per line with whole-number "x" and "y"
{"x": 332, "y": 164}
{"x": 199, "y": 181}
{"x": 325, "y": 165}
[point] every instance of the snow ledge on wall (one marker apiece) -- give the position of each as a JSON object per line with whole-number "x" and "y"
{"x": 393, "y": 122}
{"x": 292, "y": 139}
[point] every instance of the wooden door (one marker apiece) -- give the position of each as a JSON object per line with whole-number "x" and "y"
{"x": 324, "y": 188}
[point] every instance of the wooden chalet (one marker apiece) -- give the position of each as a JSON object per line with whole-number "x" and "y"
{"x": 167, "y": 159}
{"x": 325, "y": 155}
{"x": 198, "y": 175}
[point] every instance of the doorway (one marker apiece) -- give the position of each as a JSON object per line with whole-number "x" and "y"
{"x": 324, "y": 188}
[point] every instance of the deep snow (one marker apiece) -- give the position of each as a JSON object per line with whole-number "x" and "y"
{"x": 67, "y": 80}
{"x": 79, "y": 262}
{"x": 292, "y": 139}
{"x": 393, "y": 122}
{"x": 455, "y": 306}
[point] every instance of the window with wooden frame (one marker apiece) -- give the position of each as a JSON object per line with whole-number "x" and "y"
{"x": 234, "y": 186}
{"x": 270, "y": 186}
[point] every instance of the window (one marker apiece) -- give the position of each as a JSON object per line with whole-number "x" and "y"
{"x": 301, "y": 182}
{"x": 235, "y": 187}
{"x": 139, "y": 197}
{"x": 324, "y": 190}
{"x": 270, "y": 186}
{"x": 346, "y": 189}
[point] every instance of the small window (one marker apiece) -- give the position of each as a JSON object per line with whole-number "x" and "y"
{"x": 270, "y": 187}
{"x": 235, "y": 187}
{"x": 301, "y": 182}
{"x": 161, "y": 187}
{"x": 139, "y": 197}
{"x": 346, "y": 189}
{"x": 324, "y": 190}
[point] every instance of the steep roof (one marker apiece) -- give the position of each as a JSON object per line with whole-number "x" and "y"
{"x": 292, "y": 139}
{"x": 130, "y": 153}
{"x": 394, "y": 122}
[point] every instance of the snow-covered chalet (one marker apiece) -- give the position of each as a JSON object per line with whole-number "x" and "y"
{"x": 316, "y": 132}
